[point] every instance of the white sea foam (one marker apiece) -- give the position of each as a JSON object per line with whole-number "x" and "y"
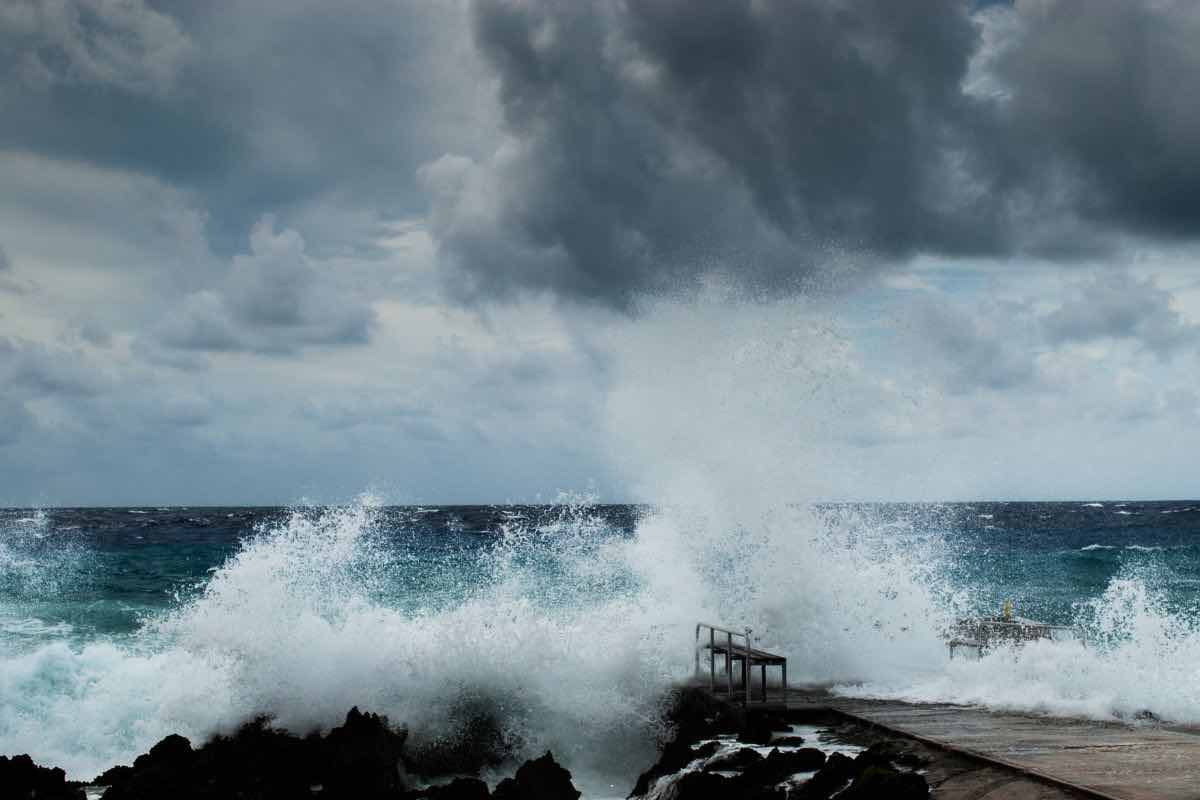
{"x": 1139, "y": 656}
{"x": 721, "y": 421}
{"x": 291, "y": 627}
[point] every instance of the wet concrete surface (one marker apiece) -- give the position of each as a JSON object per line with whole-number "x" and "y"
{"x": 1130, "y": 762}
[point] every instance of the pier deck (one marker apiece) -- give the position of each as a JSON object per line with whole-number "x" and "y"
{"x": 1102, "y": 759}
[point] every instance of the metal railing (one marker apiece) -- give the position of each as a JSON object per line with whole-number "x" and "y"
{"x": 982, "y": 634}
{"x": 735, "y": 646}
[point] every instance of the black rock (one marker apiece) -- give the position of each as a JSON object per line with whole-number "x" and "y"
{"x": 788, "y": 741}
{"x": 475, "y": 740}
{"x": 457, "y": 789}
{"x": 734, "y": 761}
{"x": 780, "y": 764}
{"x": 706, "y": 750}
{"x": 360, "y": 760}
{"x": 701, "y": 786}
{"x": 833, "y": 777}
{"x": 538, "y": 779}
{"x": 21, "y": 778}
{"x": 877, "y": 782}
{"x": 890, "y": 752}
{"x": 114, "y": 775}
{"x": 676, "y": 755}
{"x": 173, "y": 752}
{"x": 761, "y": 729}
{"x": 694, "y": 714}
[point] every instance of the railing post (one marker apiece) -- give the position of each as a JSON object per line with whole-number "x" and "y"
{"x": 746, "y": 666}
{"x": 729, "y": 662}
{"x": 712, "y": 659}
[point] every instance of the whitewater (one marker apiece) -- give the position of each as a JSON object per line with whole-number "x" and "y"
{"x": 560, "y": 626}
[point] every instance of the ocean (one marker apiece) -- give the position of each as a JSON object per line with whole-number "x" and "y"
{"x": 563, "y": 623}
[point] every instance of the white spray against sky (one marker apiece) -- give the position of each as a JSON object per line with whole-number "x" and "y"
{"x": 719, "y": 416}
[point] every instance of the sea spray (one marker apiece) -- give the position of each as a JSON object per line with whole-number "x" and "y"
{"x": 1139, "y": 657}
{"x": 725, "y": 413}
{"x": 562, "y": 627}
{"x": 300, "y": 625}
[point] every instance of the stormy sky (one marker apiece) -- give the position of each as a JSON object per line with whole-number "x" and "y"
{"x": 262, "y": 252}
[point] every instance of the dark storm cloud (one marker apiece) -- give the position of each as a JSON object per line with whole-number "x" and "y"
{"x": 1102, "y": 91}
{"x": 639, "y": 145}
{"x": 257, "y": 107}
{"x": 5, "y": 262}
{"x": 657, "y": 138}
{"x": 653, "y": 140}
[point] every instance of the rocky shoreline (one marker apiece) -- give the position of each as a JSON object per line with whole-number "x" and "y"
{"x": 714, "y": 750}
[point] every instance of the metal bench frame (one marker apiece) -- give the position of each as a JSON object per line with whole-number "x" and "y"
{"x": 737, "y": 646}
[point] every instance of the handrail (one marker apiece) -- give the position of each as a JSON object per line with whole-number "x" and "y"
{"x": 700, "y": 625}
{"x": 731, "y": 653}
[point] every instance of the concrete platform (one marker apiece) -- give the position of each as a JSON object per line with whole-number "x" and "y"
{"x": 1104, "y": 760}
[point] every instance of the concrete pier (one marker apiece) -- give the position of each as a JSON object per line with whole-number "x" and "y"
{"x": 1106, "y": 760}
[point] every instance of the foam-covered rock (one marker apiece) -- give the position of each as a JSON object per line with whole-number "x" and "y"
{"x": 738, "y": 759}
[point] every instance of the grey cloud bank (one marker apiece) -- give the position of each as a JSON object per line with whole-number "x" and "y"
{"x": 281, "y": 249}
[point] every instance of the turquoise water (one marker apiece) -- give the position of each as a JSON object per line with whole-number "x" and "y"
{"x": 564, "y": 622}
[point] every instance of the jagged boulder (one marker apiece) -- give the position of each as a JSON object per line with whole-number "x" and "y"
{"x": 20, "y": 777}
{"x": 362, "y": 758}
{"x": 737, "y": 760}
{"x": 761, "y": 728}
{"x": 788, "y": 741}
{"x": 457, "y": 789}
{"x": 538, "y": 779}
{"x": 780, "y": 765}
{"x": 891, "y": 752}
{"x": 701, "y": 786}
{"x": 359, "y": 760}
{"x": 676, "y": 755}
{"x": 474, "y": 739}
{"x": 838, "y": 771}
{"x": 879, "y": 781}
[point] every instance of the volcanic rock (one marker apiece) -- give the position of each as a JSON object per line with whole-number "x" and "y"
{"x": 734, "y": 761}
{"x": 788, "y": 741}
{"x": 20, "y": 777}
{"x": 700, "y": 786}
{"x": 890, "y": 752}
{"x": 877, "y": 781}
{"x": 833, "y": 777}
{"x": 780, "y": 764}
{"x": 360, "y": 760}
{"x": 457, "y": 789}
{"x": 538, "y": 779}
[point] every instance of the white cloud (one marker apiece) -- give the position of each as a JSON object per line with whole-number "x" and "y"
{"x": 1114, "y": 305}
{"x": 275, "y": 299}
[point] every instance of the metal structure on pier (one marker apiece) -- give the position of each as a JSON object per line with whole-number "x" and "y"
{"x": 737, "y": 655}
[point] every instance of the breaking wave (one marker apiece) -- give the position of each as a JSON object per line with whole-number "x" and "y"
{"x": 563, "y": 633}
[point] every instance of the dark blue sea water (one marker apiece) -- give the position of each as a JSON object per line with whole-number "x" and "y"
{"x": 120, "y": 625}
